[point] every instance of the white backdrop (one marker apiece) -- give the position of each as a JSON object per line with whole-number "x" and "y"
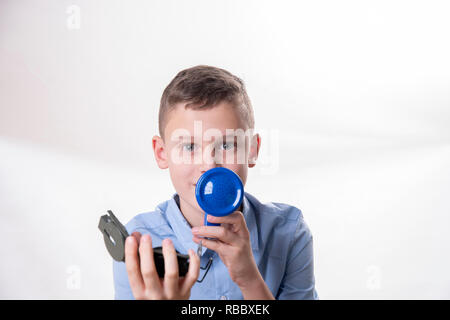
{"x": 353, "y": 95}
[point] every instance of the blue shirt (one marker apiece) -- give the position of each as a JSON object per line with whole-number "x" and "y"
{"x": 282, "y": 246}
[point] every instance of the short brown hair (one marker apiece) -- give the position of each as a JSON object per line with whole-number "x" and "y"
{"x": 203, "y": 87}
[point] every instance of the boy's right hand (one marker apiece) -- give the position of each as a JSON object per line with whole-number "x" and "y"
{"x": 144, "y": 281}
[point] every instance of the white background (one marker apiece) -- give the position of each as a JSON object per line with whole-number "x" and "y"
{"x": 355, "y": 96}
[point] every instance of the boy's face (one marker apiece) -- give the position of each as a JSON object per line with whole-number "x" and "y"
{"x": 198, "y": 140}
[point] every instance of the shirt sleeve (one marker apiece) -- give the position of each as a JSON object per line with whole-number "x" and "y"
{"x": 122, "y": 289}
{"x": 298, "y": 282}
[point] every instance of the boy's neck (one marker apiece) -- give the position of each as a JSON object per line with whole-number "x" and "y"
{"x": 192, "y": 215}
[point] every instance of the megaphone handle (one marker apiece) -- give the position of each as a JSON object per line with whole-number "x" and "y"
{"x": 207, "y": 223}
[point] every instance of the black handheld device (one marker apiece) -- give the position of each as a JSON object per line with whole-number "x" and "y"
{"x": 115, "y": 234}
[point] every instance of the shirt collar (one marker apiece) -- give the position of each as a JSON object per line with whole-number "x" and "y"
{"x": 183, "y": 232}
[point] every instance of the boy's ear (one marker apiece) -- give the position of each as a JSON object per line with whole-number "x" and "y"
{"x": 160, "y": 151}
{"x": 255, "y": 144}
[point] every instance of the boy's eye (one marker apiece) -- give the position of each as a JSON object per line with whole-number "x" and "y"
{"x": 189, "y": 147}
{"x": 228, "y": 146}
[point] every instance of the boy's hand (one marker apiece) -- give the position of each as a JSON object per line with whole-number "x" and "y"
{"x": 232, "y": 245}
{"x": 142, "y": 275}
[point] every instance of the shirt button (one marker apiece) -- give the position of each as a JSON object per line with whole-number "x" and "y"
{"x": 223, "y": 298}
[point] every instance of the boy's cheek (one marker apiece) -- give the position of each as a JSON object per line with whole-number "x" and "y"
{"x": 240, "y": 169}
{"x": 182, "y": 176}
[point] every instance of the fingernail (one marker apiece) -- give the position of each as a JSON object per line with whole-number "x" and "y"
{"x": 195, "y": 229}
{"x": 167, "y": 241}
{"x": 144, "y": 238}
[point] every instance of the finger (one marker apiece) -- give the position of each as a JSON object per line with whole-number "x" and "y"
{"x": 210, "y": 244}
{"x": 236, "y": 219}
{"x": 221, "y": 233}
{"x": 170, "y": 269}
{"x": 193, "y": 272}
{"x": 137, "y": 235}
{"x": 133, "y": 268}
{"x": 148, "y": 268}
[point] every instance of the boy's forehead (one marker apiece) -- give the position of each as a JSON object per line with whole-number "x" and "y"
{"x": 209, "y": 135}
{"x": 183, "y": 137}
{"x": 221, "y": 120}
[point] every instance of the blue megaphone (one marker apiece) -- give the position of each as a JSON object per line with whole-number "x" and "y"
{"x": 219, "y": 192}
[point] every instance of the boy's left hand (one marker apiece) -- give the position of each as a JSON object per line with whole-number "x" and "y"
{"x": 232, "y": 245}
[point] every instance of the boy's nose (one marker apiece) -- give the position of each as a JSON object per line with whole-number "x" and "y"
{"x": 205, "y": 168}
{"x": 209, "y": 161}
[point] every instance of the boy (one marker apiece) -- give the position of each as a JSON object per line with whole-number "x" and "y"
{"x": 261, "y": 251}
